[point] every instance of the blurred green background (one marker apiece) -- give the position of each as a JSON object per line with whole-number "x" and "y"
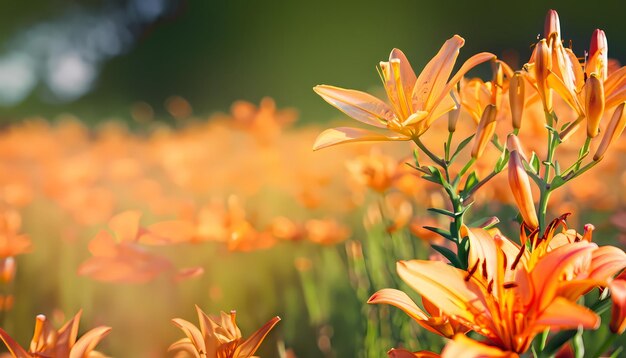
{"x": 215, "y": 52}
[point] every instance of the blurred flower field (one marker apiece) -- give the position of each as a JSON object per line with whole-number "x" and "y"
{"x": 229, "y": 236}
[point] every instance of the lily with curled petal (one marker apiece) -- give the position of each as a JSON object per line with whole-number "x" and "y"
{"x": 414, "y": 101}
{"x": 500, "y": 297}
{"x": 48, "y": 342}
{"x": 219, "y": 338}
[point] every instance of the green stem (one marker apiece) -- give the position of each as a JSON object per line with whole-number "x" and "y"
{"x": 448, "y": 144}
{"x": 430, "y": 154}
{"x": 543, "y": 207}
{"x": 478, "y": 185}
{"x": 466, "y": 167}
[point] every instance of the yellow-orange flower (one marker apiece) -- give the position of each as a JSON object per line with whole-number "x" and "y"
{"x": 415, "y": 102}
{"x": 219, "y": 338}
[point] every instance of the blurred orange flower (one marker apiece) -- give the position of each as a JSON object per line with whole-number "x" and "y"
{"x": 118, "y": 255}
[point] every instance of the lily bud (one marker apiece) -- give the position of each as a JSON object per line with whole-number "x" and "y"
{"x": 598, "y": 55}
{"x": 496, "y": 84}
{"x": 513, "y": 144}
{"x": 520, "y": 186}
{"x": 516, "y": 99}
{"x": 543, "y": 64}
{"x": 618, "y": 312}
{"x": 453, "y": 117}
{"x": 594, "y": 104}
{"x": 552, "y": 24}
{"x": 485, "y": 130}
{"x": 613, "y": 130}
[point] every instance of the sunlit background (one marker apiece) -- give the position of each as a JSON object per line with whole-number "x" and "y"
{"x": 96, "y": 59}
{"x": 139, "y": 91}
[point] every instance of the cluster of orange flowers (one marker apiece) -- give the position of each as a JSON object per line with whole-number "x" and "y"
{"x": 504, "y": 291}
{"x": 247, "y": 182}
{"x": 211, "y": 181}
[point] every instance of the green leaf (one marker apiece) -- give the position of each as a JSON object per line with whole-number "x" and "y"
{"x": 434, "y": 175}
{"x": 471, "y": 182}
{"x": 448, "y": 254}
{"x": 438, "y": 231}
{"x": 490, "y": 220}
{"x": 557, "y": 341}
{"x": 416, "y": 158}
{"x": 443, "y": 212}
{"x": 557, "y": 181}
{"x": 557, "y": 168}
{"x": 462, "y": 145}
{"x": 534, "y": 163}
{"x": 502, "y": 161}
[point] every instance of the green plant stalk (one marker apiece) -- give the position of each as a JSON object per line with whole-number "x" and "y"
{"x": 545, "y": 188}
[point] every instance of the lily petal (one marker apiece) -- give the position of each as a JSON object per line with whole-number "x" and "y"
{"x": 618, "y": 312}
{"x": 403, "y": 353}
{"x": 194, "y": 335}
{"x": 16, "y": 350}
{"x": 359, "y": 105}
{"x": 557, "y": 84}
{"x": 334, "y": 136}
{"x": 444, "y": 286}
{"x": 247, "y": 348}
{"x": 562, "y": 313}
{"x": 434, "y": 76}
{"x": 88, "y": 342}
{"x": 464, "y": 347}
{"x": 401, "y": 300}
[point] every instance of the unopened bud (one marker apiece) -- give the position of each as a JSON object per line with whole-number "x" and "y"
{"x": 543, "y": 64}
{"x": 453, "y": 117}
{"x": 498, "y": 81}
{"x": 520, "y": 187}
{"x": 485, "y": 130}
{"x": 594, "y": 104}
{"x": 516, "y": 99}
{"x": 513, "y": 144}
{"x": 613, "y": 131}
{"x": 598, "y": 55}
{"x": 552, "y": 24}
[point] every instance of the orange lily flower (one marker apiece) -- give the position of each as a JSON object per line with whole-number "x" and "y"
{"x": 499, "y": 298}
{"x": 415, "y": 102}
{"x": 47, "y": 342}
{"x": 219, "y": 338}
